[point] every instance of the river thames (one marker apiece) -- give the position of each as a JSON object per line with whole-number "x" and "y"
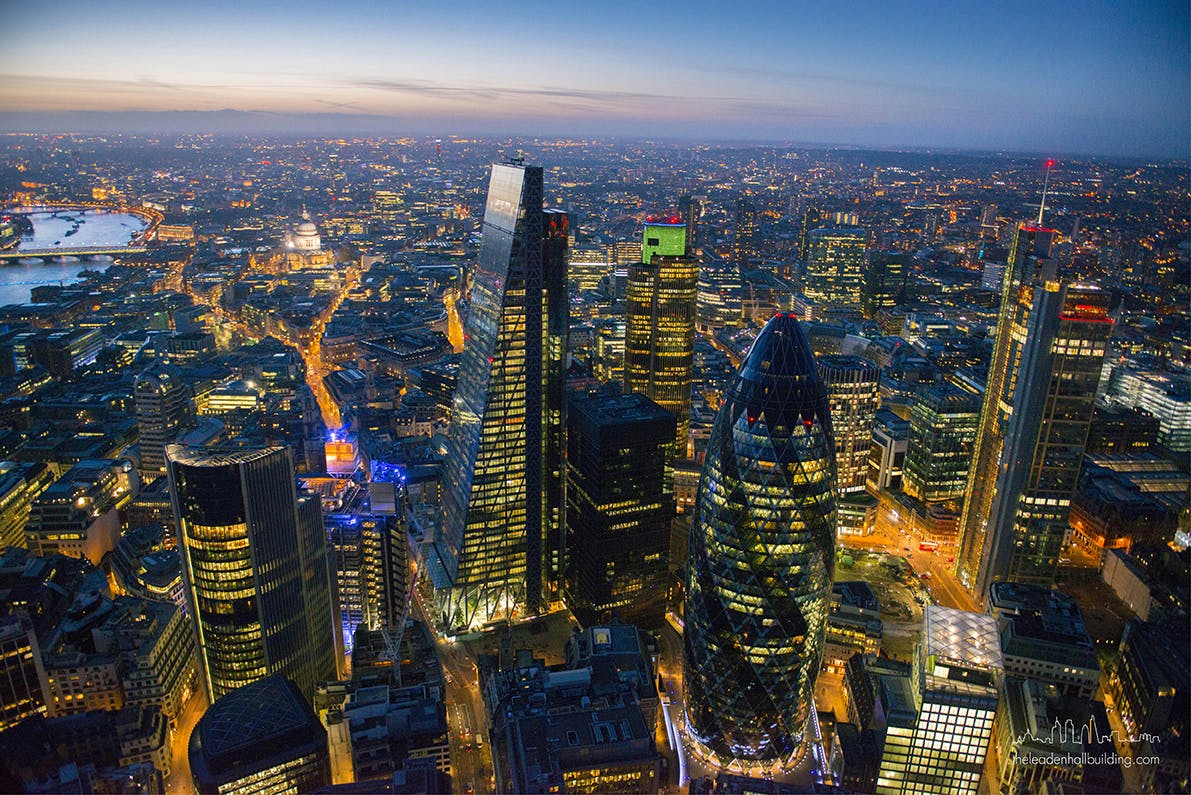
{"x": 64, "y": 228}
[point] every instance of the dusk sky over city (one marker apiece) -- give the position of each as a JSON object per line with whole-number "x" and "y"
{"x": 1097, "y": 77}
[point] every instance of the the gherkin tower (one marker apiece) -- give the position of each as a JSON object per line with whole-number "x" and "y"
{"x": 761, "y": 559}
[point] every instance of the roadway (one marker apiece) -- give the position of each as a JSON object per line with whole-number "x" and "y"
{"x": 894, "y": 536}
{"x": 180, "y": 781}
{"x": 471, "y": 765}
{"x": 454, "y": 325}
{"x": 1130, "y": 770}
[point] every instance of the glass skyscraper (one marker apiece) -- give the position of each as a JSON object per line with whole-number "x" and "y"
{"x": 619, "y": 508}
{"x": 1051, "y": 342}
{"x": 835, "y": 266}
{"x": 942, "y": 433}
{"x": 744, "y": 245}
{"x": 853, "y": 391}
{"x": 254, "y": 561}
{"x": 761, "y": 557}
{"x": 885, "y": 281}
{"x": 497, "y": 554}
{"x": 660, "y": 308}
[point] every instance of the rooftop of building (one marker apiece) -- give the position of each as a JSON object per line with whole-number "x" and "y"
{"x": 856, "y": 593}
{"x": 622, "y": 409}
{"x": 252, "y": 723}
{"x": 961, "y": 638}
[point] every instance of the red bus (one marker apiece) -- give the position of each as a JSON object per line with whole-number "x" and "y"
{"x": 928, "y": 546}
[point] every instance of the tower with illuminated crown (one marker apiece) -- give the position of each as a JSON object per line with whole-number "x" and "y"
{"x": 497, "y": 554}
{"x": 761, "y": 557}
{"x": 659, "y": 341}
{"x": 1052, "y": 338}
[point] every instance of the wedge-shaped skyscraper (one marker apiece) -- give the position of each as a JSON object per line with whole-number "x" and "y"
{"x": 759, "y": 569}
{"x": 498, "y": 552}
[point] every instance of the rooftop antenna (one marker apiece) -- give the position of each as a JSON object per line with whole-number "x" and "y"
{"x": 1045, "y": 183}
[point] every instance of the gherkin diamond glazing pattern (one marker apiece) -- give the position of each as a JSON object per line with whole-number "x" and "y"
{"x": 762, "y": 556}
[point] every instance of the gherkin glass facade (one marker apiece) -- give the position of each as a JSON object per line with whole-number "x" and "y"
{"x": 761, "y": 557}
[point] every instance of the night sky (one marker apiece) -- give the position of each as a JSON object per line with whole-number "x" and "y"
{"x": 1057, "y": 77}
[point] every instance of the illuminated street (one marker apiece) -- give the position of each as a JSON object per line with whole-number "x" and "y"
{"x": 471, "y": 764}
{"x": 180, "y": 782}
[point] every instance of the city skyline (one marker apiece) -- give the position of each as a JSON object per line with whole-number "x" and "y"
{"x": 1063, "y": 78}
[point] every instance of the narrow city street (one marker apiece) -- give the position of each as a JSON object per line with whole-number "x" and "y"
{"x": 471, "y": 761}
{"x": 179, "y": 781}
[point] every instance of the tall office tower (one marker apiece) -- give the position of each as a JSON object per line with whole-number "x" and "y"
{"x": 261, "y": 737}
{"x": 853, "y": 385}
{"x": 761, "y": 556}
{"x": 938, "y": 735}
{"x": 163, "y": 410}
{"x": 20, "y": 484}
{"x": 371, "y": 563}
{"x": 835, "y": 266}
{"x": 812, "y": 218}
{"x": 384, "y": 572}
{"x": 942, "y": 434}
{"x": 744, "y": 246}
{"x": 22, "y": 675}
{"x": 254, "y": 562}
{"x": 619, "y": 508}
{"x": 502, "y": 484}
{"x": 660, "y": 310}
{"x": 884, "y": 281}
{"x": 690, "y": 210}
{"x": 1038, "y": 404}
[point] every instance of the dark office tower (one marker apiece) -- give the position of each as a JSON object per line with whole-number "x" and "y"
{"x": 555, "y": 232}
{"x": 690, "y": 210}
{"x": 942, "y": 434}
{"x": 660, "y": 309}
{"x": 835, "y": 266}
{"x": 618, "y": 508}
{"x": 744, "y": 248}
{"x": 262, "y": 737}
{"x": 853, "y": 384}
{"x": 761, "y": 556}
{"x": 502, "y": 484}
{"x": 1038, "y": 404}
{"x": 163, "y": 410}
{"x": 254, "y": 563}
{"x": 811, "y": 219}
{"x": 884, "y": 282}
{"x": 22, "y": 675}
